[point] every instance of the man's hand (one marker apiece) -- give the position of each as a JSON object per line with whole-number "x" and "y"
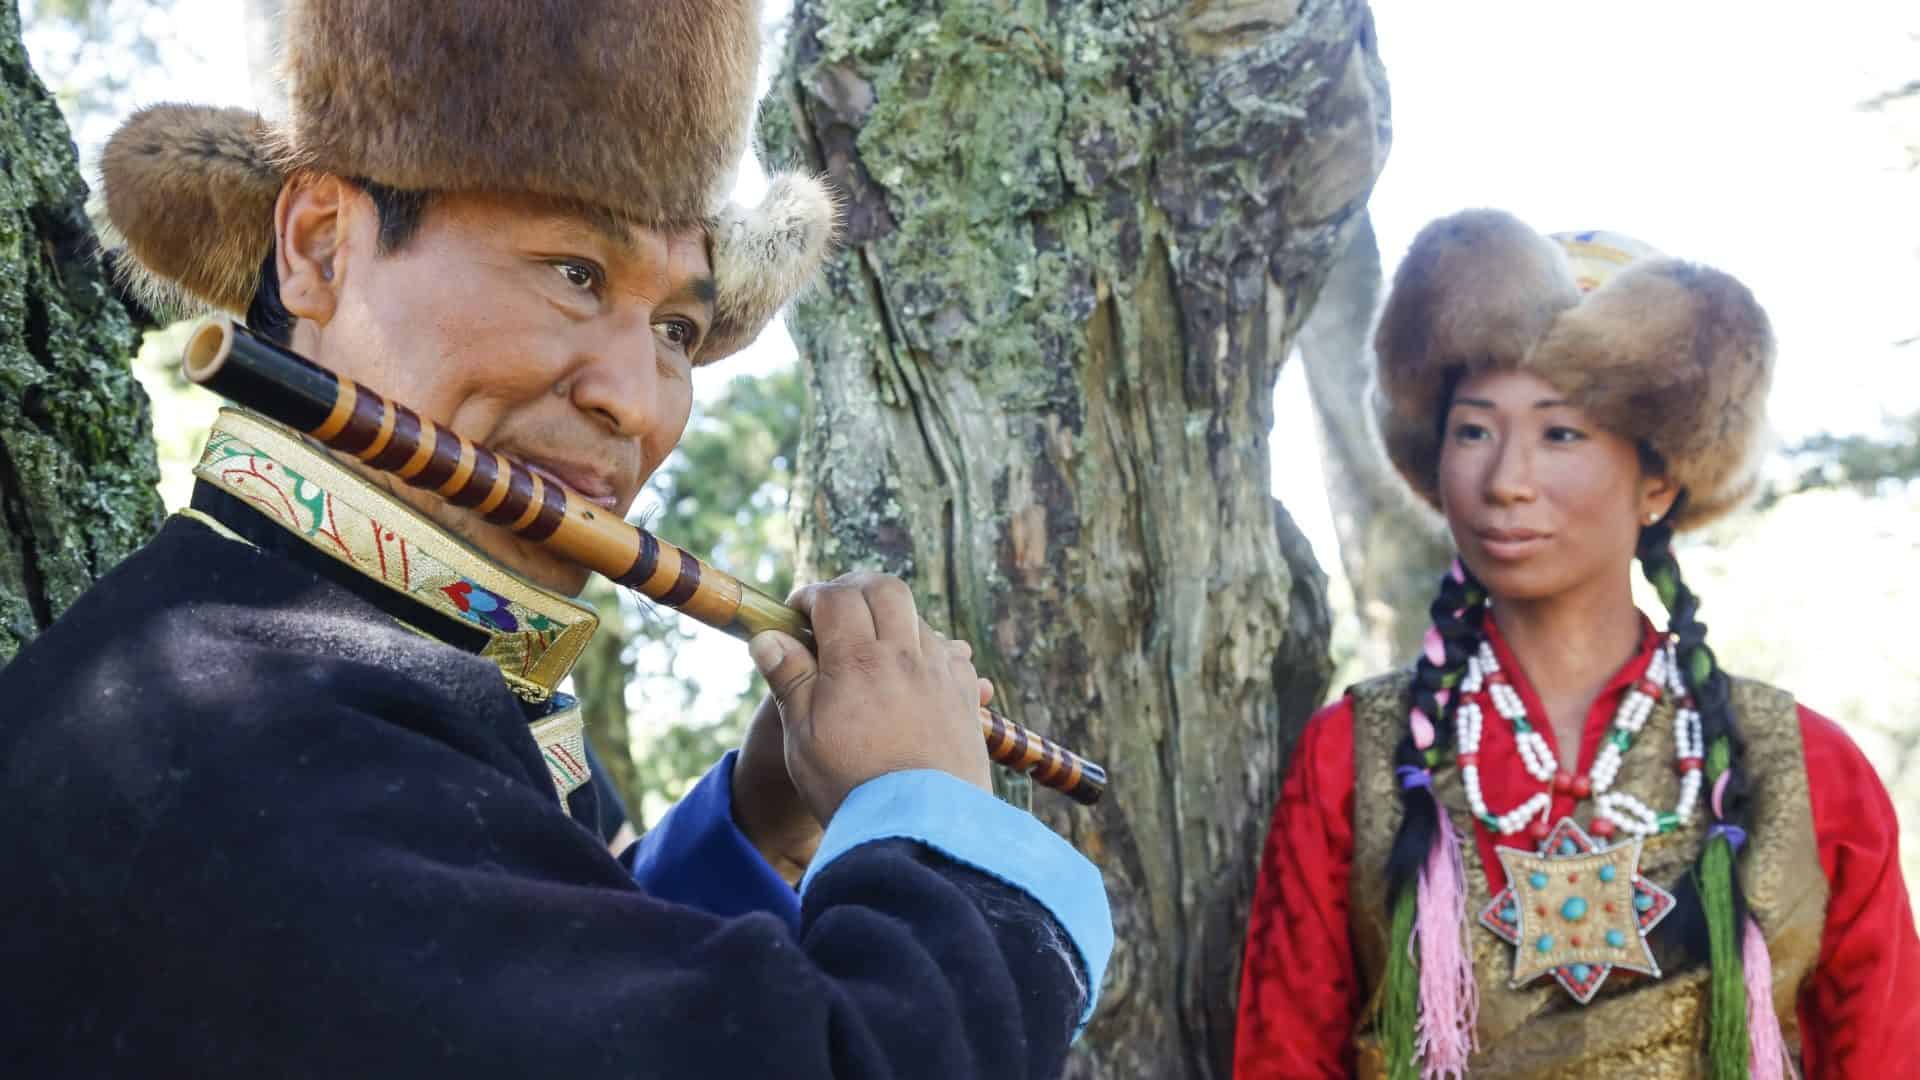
{"x": 886, "y": 694}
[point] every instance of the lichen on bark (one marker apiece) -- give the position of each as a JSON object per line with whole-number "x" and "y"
{"x": 1079, "y": 239}
{"x": 77, "y": 465}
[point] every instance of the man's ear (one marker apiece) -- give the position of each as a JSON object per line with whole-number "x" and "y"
{"x": 309, "y": 225}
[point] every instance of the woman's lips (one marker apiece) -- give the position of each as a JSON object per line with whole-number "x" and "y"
{"x": 585, "y": 482}
{"x": 1511, "y": 545}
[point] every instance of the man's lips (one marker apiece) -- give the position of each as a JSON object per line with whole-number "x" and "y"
{"x": 588, "y": 482}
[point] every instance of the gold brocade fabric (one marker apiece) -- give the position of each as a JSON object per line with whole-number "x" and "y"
{"x": 1636, "y": 1027}
{"x": 533, "y": 635}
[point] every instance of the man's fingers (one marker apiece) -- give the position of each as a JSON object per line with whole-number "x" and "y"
{"x": 840, "y": 614}
{"x": 894, "y": 617}
{"x": 788, "y": 668}
{"x": 986, "y": 692}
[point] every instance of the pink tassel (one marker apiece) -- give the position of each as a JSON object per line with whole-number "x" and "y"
{"x": 1449, "y": 997}
{"x": 1767, "y": 1053}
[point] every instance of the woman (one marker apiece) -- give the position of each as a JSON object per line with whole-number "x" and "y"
{"x": 1705, "y": 880}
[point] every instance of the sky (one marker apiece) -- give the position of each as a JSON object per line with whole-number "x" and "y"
{"x": 1727, "y": 133}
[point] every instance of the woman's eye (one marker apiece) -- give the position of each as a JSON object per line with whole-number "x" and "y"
{"x": 580, "y": 275}
{"x": 1468, "y": 432}
{"x": 1565, "y": 434}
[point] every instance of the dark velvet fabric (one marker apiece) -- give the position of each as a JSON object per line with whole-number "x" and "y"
{"x": 256, "y": 828}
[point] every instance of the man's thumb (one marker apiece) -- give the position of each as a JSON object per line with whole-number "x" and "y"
{"x": 787, "y": 666}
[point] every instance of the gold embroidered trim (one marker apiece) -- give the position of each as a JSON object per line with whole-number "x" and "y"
{"x": 534, "y": 635}
{"x": 562, "y": 740}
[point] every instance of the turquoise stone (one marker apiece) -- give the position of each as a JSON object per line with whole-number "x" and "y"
{"x": 1537, "y": 880}
{"x": 1580, "y": 972}
{"x": 1509, "y": 914}
{"x": 1642, "y": 902}
{"x": 1574, "y": 909}
{"x": 1607, "y": 874}
{"x": 1567, "y": 847}
{"x": 1616, "y": 939}
{"x": 1545, "y": 944}
{"x": 1667, "y": 822}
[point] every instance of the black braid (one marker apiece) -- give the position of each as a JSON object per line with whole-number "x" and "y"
{"x": 1712, "y": 696}
{"x": 1459, "y": 614}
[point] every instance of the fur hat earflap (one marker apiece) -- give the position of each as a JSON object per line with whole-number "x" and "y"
{"x": 1667, "y": 353}
{"x": 765, "y": 255}
{"x": 641, "y": 107}
{"x": 1680, "y": 357}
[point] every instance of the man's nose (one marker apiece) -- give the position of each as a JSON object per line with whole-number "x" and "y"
{"x": 619, "y": 377}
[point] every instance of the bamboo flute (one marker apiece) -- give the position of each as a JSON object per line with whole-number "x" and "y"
{"x": 347, "y": 417}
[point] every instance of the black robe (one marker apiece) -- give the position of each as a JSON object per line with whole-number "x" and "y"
{"x": 254, "y": 827}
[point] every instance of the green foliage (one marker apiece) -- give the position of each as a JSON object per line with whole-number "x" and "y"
{"x": 88, "y": 52}
{"x": 723, "y": 496}
{"x": 1862, "y": 462}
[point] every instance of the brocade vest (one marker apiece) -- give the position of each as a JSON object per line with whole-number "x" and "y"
{"x": 1646, "y": 1028}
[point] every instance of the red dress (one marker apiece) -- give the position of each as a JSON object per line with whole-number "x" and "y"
{"x": 1300, "y": 997}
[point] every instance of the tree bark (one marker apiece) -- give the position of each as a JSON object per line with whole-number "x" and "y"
{"x": 1391, "y": 546}
{"x": 1080, "y": 238}
{"x": 77, "y": 466}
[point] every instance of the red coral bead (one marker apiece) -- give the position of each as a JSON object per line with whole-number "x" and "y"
{"x": 1686, "y": 765}
{"x": 1582, "y": 787}
{"x": 1601, "y": 828}
{"x": 1539, "y": 829}
{"x": 1563, "y": 781}
{"x": 1466, "y": 760}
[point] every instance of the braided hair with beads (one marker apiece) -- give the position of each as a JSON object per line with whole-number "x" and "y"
{"x": 1426, "y": 1017}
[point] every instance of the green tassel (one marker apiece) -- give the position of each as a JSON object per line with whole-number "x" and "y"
{"x": 1665, "y": 583}
{"x": 1400, "y": 1007}
{"x": 1727, "y": 1003}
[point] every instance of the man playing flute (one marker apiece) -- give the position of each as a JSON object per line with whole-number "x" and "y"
{"x": 292, "y": 791}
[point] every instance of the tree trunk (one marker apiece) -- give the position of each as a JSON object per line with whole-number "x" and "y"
{"x": 1080, "y": 237}
{"x": 1391, "y": 546}
{"x": 77, "y": 467}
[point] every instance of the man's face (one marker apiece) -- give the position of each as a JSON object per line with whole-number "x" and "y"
{"x": 562, "y": 338}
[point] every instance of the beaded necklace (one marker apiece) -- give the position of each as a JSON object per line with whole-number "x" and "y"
{"x": 1613, "y": 810}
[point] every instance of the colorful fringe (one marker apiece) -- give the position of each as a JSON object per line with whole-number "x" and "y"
{"x": 1727, "y": 1043}
{"x": 1400, "y": 1005}
{"x": 1768, "y": 1046}
{"x": 1449, "y": 996}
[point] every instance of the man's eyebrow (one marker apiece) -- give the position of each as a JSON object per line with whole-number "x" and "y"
{"x": 703, "y": 289}
{"x": 1481, "y": 402}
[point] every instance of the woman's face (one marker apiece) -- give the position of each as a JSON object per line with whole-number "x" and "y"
{"x": 1540, "y": 499}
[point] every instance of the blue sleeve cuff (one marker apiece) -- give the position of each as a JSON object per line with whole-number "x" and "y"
{"x": 971, "y": 827}
{"x": 697, "y": 856}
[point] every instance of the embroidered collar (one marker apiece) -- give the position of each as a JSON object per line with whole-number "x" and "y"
{"x": 532, "y": 634}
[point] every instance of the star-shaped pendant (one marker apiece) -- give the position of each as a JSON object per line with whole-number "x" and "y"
{"x": 1577, "y": 911}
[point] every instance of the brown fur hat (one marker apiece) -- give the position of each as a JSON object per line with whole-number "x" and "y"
{"x": 1667, "y": 353}
{"x": 643, "y": 107}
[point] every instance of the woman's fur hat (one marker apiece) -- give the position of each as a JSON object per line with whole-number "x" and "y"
{"x": 643, "y": 107}
{"x": 1667, "y": 353}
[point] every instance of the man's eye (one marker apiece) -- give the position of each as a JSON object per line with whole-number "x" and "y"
{"x": 1565, "y": 434}
{"x": 580, "y": 275}
{"x": 1469, "y": 432}
{"x": 680, "y": 332}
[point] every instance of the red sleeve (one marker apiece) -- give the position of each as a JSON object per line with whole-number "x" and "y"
{"x": 1861, "y": 1010}
{"x": 1299, "y": 996}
